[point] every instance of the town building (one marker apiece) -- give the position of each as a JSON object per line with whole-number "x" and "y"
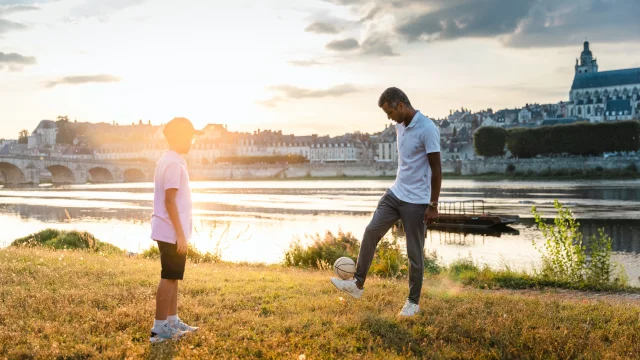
{"x": 44, "y": 135}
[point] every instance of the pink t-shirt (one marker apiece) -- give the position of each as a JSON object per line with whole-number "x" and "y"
{"x": 171, "y": 173}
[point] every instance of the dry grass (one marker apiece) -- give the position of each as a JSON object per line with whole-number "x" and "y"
{"x": 76, "y": 305}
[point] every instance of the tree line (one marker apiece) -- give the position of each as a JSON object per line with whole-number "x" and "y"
{"x": 582, "y": 138}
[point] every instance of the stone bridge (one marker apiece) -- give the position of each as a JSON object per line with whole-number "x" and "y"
{"x": 30, "y": 169}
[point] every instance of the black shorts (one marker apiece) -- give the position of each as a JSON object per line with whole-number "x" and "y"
{"x": 172, "y": 263}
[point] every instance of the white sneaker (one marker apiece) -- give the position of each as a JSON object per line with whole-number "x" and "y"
{"x": 164, "y": 333}
{"x": 180, "y": 325}
{"x": 348, "y": 286}
{"x": 409, "y": 309}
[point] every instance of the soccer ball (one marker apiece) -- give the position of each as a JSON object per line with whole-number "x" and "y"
{"x": 344, "y": 267}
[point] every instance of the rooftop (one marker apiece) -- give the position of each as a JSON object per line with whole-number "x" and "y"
{"x": 606, "y": 78}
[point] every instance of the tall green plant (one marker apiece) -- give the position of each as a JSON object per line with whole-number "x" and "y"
{"x": 563, "y": 252}
{"x": 567, "y": 259}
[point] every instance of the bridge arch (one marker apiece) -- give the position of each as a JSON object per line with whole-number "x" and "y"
{"x": 61, "y": 174}
{"x": 100, "y": 175}
{"x": 11, "y": 174}
{"x": 134, "y": 175}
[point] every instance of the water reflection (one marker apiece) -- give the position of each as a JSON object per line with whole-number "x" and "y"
{"x": 265, "y": 216}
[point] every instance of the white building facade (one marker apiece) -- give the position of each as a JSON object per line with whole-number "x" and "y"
{"x": 44, "y": 135}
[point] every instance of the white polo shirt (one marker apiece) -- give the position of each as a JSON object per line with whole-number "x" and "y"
{"x": 171, "y": 173}
{"x": 413, "y": 180}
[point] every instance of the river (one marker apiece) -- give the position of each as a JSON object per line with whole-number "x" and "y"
{"x": 256, "y": 221}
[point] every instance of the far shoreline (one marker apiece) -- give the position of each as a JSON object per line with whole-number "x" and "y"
{"x": 447, "y": 176}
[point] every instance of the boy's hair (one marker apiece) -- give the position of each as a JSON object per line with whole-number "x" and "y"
{"x": 393, "y": 96}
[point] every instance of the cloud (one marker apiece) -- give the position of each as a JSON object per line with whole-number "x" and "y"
{"x": 290, "y": 92}
{"x": 459, "y": 19}
{"x": 306, "y": 63}
{"x": 11, "y": 9}
{"x": 319, "y": 27}
{"x": 560, "y": 23}
{"x": 83, "y": 79}
{"x": 377, "y": 44}
{"x": 22, "y": 2}
{"x": 102, "y": 8}
{"x": 372, "y": 13}
{"x": 514, "y": 23}
{"x": 346, "y": 2}
{"x": 16, "y": 60}
{"x": 343, "y": 45}
{"x": 6, "y": 26}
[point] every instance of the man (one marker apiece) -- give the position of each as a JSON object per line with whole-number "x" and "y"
{"x": 413, "y": 198}
{"x": 171, "y": 227}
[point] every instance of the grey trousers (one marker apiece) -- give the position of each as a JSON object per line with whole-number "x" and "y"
{"x": 389, "y": 210}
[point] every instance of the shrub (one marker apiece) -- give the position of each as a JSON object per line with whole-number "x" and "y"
{"x": 432, "y": 265}
{"x": 463, "y": 268}
{"x": 323, "y": 251}
{"x": 390, "y": 259}
{"x": 194, "y": 255}
{"x": 60, "y": 239}
{"x": 566, "y": 258}
{"x": 575, "y": 139}
{"x": 489, "y": 141}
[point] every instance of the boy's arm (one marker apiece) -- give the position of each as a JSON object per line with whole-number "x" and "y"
{"x": 172, "y": 209}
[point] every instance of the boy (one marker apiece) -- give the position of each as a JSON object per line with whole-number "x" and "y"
{"x": 171, "y": 227}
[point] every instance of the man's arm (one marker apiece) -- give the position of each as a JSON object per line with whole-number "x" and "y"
{"x": 436, "y": 175}
{"x": 431, "y": 215}
{"x": 174, "y": 215}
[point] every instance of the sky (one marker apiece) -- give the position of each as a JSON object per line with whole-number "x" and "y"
{"x": 300, "y": 66}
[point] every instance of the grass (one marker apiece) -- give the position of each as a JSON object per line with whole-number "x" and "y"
{"x": 80, "y": 304}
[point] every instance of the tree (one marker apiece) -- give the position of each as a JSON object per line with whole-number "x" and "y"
{"x": 575, "y": 139}
{"x": 65, "y": 133}
{"x": 489, "y": 141}
{"x": 23, "y": 137}
{"x": 455, "y": 131}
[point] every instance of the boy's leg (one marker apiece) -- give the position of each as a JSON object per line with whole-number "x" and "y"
{"x": 385, "y": 216}
{"x": 164, "y": 298}
{"x": 173, "y": 308}
{"x": 414, "y": 228}
{"x": 173, "y": 265}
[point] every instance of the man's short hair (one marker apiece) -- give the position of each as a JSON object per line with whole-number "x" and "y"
{"x": 393, "y": 96}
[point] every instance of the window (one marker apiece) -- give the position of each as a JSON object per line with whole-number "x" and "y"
{"x": 589, "y": 110}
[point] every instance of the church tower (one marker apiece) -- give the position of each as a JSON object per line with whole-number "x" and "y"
{"x": 587, "y": 63}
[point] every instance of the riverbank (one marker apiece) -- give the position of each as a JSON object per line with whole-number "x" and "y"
{"x": 76, "y": 304}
